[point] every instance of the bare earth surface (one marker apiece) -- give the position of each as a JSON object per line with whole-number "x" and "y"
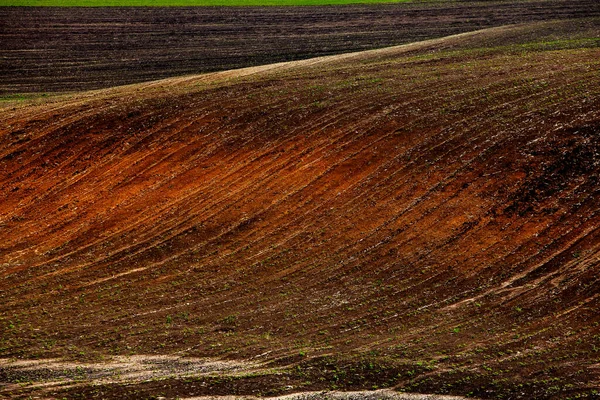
{"x": 55, "y": 372}
{"x": 48, "y": 374}
{"x": 422, "y": 218}
{"x": 66, "y": 49}
{"x": 332, "y": 395}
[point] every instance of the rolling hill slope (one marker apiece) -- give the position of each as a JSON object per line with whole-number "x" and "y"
{"x": 423, "y": 216}
{"x": 58, "y": 49}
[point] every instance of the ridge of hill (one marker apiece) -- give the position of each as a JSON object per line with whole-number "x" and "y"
{"x": 60, "y": 49}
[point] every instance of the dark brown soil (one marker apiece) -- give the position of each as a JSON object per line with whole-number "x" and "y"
{"x": 65, "y": 49}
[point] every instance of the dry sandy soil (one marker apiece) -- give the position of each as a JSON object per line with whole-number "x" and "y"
{"x": 333, "y": 395}
{"x": 423, "y": 218}
{"x": 62, "y": 49}
{"x": 130, "y": 369}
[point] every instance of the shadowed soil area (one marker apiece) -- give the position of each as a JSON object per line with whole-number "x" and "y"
{"x": 50, "y": 49}
{"x": 423, "y": 218}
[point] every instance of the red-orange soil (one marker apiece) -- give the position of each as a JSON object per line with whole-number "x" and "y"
{"x": 424, "y": 217}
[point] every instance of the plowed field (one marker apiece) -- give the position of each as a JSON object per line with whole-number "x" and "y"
{"x": 422, "y": 217}
{"x": 50, "y": 49}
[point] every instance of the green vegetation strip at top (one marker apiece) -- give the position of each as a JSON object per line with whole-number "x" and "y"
{"x": 184, "y": 3}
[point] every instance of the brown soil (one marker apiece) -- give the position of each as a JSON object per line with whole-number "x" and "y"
{"x": 66, "y": 49}
{"x": 150, "y": 375}
{"x": 332, "y": 395}
{"x": 422, "y": 217}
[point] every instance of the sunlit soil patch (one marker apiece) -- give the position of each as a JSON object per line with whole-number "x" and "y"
{"x": 331, "y": 395}
{"x": 119, "y": 369}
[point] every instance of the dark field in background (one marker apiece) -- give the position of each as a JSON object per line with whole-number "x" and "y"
{"x": 66, "y": 49}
